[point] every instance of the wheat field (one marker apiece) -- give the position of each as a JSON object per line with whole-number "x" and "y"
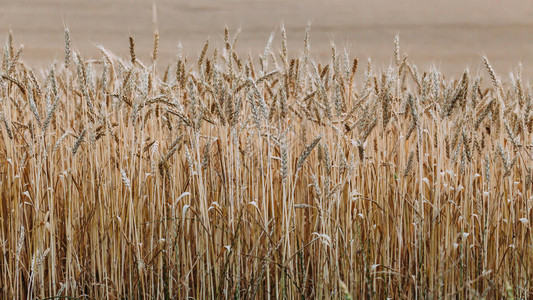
{"x": 265, "y": 176}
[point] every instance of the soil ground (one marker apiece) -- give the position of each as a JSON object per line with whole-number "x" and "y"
{"x": 450, "y": 34}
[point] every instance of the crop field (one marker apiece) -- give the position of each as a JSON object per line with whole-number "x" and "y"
{"x": 269, "y": 175}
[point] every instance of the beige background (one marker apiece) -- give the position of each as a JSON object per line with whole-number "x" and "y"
{"x": 452, "y": 33}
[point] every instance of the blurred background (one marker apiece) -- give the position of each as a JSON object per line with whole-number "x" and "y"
{"x": 451, "y": 34}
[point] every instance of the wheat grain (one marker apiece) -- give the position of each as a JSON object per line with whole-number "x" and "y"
{"x": 67, "y": 48}
{"x": 132, "y": 50}
{"x": 305, "y": 153}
